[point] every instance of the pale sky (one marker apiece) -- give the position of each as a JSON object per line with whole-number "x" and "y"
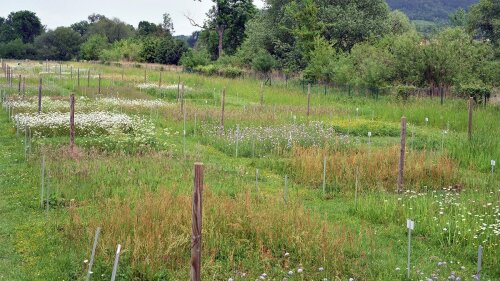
{"x": 55, "y": 13}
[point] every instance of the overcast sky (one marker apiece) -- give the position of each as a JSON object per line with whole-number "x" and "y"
{"x": 54, "y": 13}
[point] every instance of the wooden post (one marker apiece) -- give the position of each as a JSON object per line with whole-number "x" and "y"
{"x": 471, "y": 108}
{"x": 441, "y": 92}
{"x": 402, "y": 155}
{"x": 222, "y": 109}
{"x": 145, "y": 77}
{"x": 99, "y": 91}
{"x": 308, "y": 99}
{"x": 72, "y": 122}
{"x": 197, "y": 223}
{"x": 24, "y": 86}
{"x": 78, "y": 74}
{"x": 88, "y": 78}
{"x": 159, "y": 83}
{"x": 40, "y": 96}
{"x": 19, "y": 85}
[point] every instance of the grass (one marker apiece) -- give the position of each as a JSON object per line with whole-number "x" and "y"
{"x": 140, "y": 194}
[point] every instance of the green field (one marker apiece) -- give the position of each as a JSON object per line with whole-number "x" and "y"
{"x": 133, "y": 177}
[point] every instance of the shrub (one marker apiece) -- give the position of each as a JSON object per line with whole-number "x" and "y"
{"x": 479, "y": 93}
{"x": 404, "y": 92}
{"x": 193, "y": 58}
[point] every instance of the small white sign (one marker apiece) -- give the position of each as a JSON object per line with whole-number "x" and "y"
{"x": 357, "y": 108}
{"x": 410, "y": 224}
{"x": 426, "y": 119}
{"x": 493, "y": 162}
{"x": 369, "y": 134}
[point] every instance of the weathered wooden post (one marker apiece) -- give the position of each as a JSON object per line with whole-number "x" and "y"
{"x": 24, "y": 86}
{"x": 99, "y": 90}
{"x": 145, "y": 76}
{"x": 72, "y": 123}
{"x": 308, "y": 99}
{"x": 222, "y": 109}
{"x": 471, "y": 108}
{"x": 78, "y": 77}
{"x": 19, "y": 85}
{"x": 159, "y": 83}
{"x": 88, "y": 78}
{"x": 402, "y": 155}
{"x": 197, "y": 223}
{"x": 40, "y": 96}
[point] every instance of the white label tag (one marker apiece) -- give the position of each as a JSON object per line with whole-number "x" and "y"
{"x": 410, "y": 224}
{"x": 493, "y": 162}
{"x": 426, "y": 119}
{"x": 369, "y": 134}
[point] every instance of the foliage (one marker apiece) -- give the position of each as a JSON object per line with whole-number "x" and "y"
{"x": 263, "y": 62}
{"x": 61, "y": 44}
{"x": 24, "y": 25}
{"x": 194, "y": 57}
{"x": 225, "y": 27}
{"x": 165, "y": 50}
{"x": 404, "y": 92}
{"x": 479, "y": 93}
{"x": 93, "y": 47}
{"x": 123, "y": 50}
{"x": 399, "y": 23}
{"x": 484, "y": 20}
{"x": 16, "y": 49}
{"x": 112, "y": 29}
{"x": 221, "y": 70}
{"x": 321, "y": 65}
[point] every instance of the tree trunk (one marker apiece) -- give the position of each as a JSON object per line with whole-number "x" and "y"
{"x": 220, "y": 32}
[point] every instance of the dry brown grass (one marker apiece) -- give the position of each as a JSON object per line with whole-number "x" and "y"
{"x": 246, "y": 232}
{"x": 378, "y": 168}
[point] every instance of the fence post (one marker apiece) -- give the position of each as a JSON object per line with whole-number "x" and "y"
{"x": 197, "y": 223}
{"x": 402, "y": 155}
{"x": 471, "y": 107}
{"x": 78, "y": 77}
{"x": 159, "y": 83}
{"x": 479, "y": 260}
{"x": 72, "y": 123}
{"x": 91, "y": 262}
{"x": 115, "y": 265}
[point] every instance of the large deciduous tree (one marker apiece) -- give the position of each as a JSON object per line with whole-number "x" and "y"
{"x": 228, "y": 19}
{"x": 24, "y": 25}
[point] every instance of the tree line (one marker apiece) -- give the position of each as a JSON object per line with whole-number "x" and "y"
{"x": 22, "y": 36}
{"x": 357, "y": 42}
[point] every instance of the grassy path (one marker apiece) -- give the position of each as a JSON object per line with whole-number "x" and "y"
{"x": 13, "y": 211}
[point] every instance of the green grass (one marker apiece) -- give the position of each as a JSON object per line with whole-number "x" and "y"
{"x": 141, "y": 195}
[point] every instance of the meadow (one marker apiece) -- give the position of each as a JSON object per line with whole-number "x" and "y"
{"x": 271, "y": 210}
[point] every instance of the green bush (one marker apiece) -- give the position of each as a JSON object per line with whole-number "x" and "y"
{"x": 404, "y": 92}
{"x": 479, "y": 93}
{"x": 193, "y": 58}
{"x": 225, "y": 71}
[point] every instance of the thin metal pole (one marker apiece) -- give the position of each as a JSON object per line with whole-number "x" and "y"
{"x": 91, "y": 262}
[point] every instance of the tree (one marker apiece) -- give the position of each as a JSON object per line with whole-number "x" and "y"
{"x": 81, "y": 27}
{"x": 399, "y": 23}
{"x": 228, "y": 19}
{"x": 320, "y": 67}
{"x": 23, "y": 24}
{"x": 63, "y": 43}
{"x": 92, "y": 48}
{"x": 167, "y": 25}
{"x": 458, "y": 18}
{"x": 146, "y": 28}
{"x": 484, "y": 20}
{"x": 263, "y": 62}
{"x": 112, "y": 29}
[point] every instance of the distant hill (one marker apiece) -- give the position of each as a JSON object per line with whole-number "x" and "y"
{"x": 429, "y": 10}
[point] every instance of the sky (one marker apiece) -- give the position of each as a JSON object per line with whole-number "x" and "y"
{"x": 55, "y": 13}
